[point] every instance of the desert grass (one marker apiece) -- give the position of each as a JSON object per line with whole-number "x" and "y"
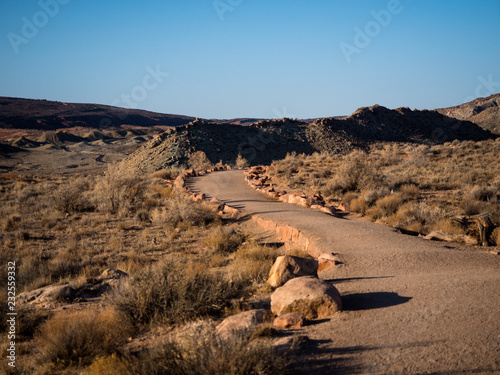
{"x": 399, "y": 184}
{"x": 79, "y": 337}
{"x": 196, "y": 349}
{"x": 185, "y": 263}
{"x": 175, "y": 291}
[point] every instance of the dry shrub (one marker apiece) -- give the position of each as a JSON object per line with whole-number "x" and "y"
{"x": 197, "y": 349}
{"x": 241, "y": 162}
{"x": 371, "y": 196}
{"x": 359, "y": 205}
{"x": 448, "y": 226}
{"x": 483, "y": 193}
{"x": 113, "y": 365}
{"x": 175, "y": 291}
{"x": 199, "y": 161}
{"x": 182, "y": 210}
{"x": 223, "y": 240}
{"x": 167, "y": 174}
{"x": 77, "y": 338}
{"x": 354, "y": 174}
{"x": 71, "y": 197}
{"x": 162, "y": 190}
{"x": 471, "y": 207}
{"x": 409, "y": 192}
{"x": 389, "y": 205}
{"x": 116, "y": 193}
{"x": 252, "y": 263}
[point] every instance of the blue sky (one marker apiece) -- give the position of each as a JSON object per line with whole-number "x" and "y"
{"x": 251, "y": 58}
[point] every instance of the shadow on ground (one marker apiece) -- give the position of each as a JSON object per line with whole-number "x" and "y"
{"x": 369, "y": 301}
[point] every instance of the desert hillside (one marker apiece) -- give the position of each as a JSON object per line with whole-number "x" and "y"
{"x": 484, "y": 112}
{"x": 269, "y": 140}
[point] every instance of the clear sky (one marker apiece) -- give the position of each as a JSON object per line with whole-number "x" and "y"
{"x": 251, "y": 58}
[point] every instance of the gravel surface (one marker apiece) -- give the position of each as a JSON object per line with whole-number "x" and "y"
{"x": 411, "y": 306}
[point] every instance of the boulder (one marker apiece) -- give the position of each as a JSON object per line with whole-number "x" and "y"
{"x": 290, "y": 320}
{"x": 287, "y": 267}
{"x": 240, "y": 323}
{"x": 307, "y": 295}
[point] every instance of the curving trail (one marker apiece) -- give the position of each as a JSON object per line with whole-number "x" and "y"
{"x": 411, "y": 306}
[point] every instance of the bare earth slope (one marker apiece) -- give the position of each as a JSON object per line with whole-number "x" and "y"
{"x": 484, "y": 112}
{"x": 410, "y": 306}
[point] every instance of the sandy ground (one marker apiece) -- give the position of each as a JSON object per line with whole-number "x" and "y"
{"x": 411, "y": 306}
{"x": 72, "y": 159}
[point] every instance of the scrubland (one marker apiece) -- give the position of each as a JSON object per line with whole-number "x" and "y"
{"x": 187, "y": 269}
{"x": 416, "y": 188}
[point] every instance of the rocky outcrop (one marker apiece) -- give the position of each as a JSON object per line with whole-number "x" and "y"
{"x": 313, "y": 297}
{"x": 287, "y": 267}
{"x": 53, "y": 296}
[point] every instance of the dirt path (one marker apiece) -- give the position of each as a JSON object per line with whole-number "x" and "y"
{"x": 411, "y": 306}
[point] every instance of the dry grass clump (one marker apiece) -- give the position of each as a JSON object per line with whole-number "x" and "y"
{"x": 199, "y": 161}
{"x": 197, "y": 349}
{"x": 241, "y": 162}
{"x": 181, "y": 210}
{"x": 167, "y": 174}
{"x": 252, "y": 263}
{"x": 118, "y": 193}
{"x": 175, "y": 291}
{"x": 73, "y": 197}
{"x": 77, "y": 338}
{"x": 388, "y": 205}
{"x": 223, "y": 240}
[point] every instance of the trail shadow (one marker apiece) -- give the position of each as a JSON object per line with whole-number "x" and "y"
{"x": 346, "y": 280}
{"x": 315, "y": 359}
{"x": 317, "y": 321}
{"x": 370, "y": 301}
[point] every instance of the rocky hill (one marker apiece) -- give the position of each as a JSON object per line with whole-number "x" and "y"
{"x": 269, "y": 140}
{"x": 484, "y": 112}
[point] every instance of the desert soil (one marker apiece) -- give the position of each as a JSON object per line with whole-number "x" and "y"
{"x": 411, "y": 306}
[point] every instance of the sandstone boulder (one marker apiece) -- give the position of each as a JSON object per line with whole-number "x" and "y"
{"x": 307, "y": 295}
{"x": 240, "y": 323}
{"x": 287, "y": 267}
{"x": 290, "y": 321}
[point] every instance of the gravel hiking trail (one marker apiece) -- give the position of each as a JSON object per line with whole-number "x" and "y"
{"x": 411, "y": 306}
